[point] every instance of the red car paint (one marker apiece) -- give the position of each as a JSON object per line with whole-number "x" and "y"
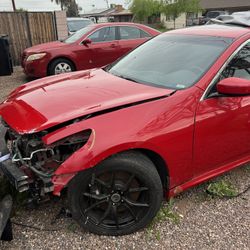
{"x": 83, "y": 56}
{"x": 234, "y": 85}
{"x": 196, "y": 138}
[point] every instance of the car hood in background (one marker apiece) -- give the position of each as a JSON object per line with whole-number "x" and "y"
{"x": 47, "y": 102}
{"x": 44, "y": 47}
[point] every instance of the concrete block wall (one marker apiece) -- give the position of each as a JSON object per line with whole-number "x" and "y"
{"x": 61, "y": 24}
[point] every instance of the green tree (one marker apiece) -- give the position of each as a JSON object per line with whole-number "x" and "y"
{"x": 72, "y": 9}
{"x": 172, "y": 9}
{"x": 70, "y": 6}
{"x": 144, "y": 8}
{"x": 63, "y": 3}
{"x": 175, "y": 9}
{"x": 20, "y": 10}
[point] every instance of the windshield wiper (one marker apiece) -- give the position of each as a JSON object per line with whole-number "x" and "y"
{"x": 127, "y": 78}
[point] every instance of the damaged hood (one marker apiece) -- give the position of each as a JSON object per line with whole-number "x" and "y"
{"x": 47, "y": 102}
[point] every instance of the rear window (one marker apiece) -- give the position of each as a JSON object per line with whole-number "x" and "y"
{"x": 213, "y": 14}
{"x": 76, "y": 25}
{"x": 76, "y": 36}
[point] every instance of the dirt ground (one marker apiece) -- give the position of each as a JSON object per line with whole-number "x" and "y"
{"x": 204, "y": 222}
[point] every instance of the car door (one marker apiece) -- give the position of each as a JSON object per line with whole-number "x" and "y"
{"x": 130, "y": 38}
{"x": 102, "y": 50}
{"x": 222, "y": 126}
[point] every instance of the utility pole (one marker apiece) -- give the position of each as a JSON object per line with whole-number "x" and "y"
{"x": 13, "y": 5}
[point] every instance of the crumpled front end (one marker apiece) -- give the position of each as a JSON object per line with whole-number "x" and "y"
{"x": 29, "y": 164}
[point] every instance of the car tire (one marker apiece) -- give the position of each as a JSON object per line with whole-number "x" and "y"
{"x": 119, "y": 196}
{"x": 60, "y": 66}
{"x": 7, "y": 234}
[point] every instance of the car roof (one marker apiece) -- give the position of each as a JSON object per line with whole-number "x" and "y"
{"x": 138, "y": 25}
{"x": 76, "y": 18}
{"x": 120, "y": 24}
{"x": 219, "y": 30}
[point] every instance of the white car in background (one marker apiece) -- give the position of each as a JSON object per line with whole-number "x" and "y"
{"x": 237, "y": 18}
{"x": 77, "y": 23}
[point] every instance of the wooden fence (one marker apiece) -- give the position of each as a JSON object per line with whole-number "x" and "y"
{"x": 26, "y": 29}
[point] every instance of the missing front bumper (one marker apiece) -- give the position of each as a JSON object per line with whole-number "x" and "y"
{"x": 15, "y": 175}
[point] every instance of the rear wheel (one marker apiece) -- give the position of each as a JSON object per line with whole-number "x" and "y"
{"x": 60, "y": 66}
{"x": 119, "y": 196}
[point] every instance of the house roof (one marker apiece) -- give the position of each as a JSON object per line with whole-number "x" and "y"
{"x": 99, "y": 12}
{"x": 219, "y": 4}
{"x": 123, "y": 13}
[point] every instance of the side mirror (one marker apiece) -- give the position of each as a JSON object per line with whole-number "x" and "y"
{"x": 87, "y": 41}
{"x": 234, "y": 86}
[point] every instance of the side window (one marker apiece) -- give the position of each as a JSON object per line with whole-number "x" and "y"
{"x": 239, "y": 66}
{"x": 103, "y": 35}
{"x": 127, "y": 33}
{"x": 144, "y": 34}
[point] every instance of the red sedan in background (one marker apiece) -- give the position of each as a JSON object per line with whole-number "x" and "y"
{"x": 91, "y": 47}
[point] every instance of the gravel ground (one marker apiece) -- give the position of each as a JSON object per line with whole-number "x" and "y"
{"x": 205, "y": 222}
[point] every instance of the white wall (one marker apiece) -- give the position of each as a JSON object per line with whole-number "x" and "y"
{"x": 61, "y": 24}
{"x": 180, "y": 22}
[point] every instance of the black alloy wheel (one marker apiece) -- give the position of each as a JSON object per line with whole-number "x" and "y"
{"x": 119, "y": 196}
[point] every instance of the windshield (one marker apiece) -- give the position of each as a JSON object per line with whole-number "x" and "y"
{"x": 76, "y": 36}
{"x": 75, "y": 25}
{"x": 213, "y": 14}
{"x": 171, "y": 61}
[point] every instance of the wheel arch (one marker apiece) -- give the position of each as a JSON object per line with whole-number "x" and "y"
{"x": 60, "y": 57}
{"x": 159, "y": 163}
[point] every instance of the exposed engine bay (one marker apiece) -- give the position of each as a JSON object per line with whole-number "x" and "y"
{"x": 32, "y": 163}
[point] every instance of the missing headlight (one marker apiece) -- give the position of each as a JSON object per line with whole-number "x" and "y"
{"x": 29, "y": 151}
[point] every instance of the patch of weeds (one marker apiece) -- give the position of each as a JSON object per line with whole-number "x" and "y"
{"x": 248, "y": 167}
{"x": 72, "y": 227}
{"x": 158, "y": 235}
{"x": 166, "y": 212}
{"x": 222, "y": 189}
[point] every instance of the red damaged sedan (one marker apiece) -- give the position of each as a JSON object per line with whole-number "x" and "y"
{"x": 91, "y": 47}
{"x": 171, "y": 114}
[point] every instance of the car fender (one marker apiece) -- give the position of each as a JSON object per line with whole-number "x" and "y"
{"x": 128, "y": 128}
{"x": 91, "y": 154}
{"x": 103, "y": 142}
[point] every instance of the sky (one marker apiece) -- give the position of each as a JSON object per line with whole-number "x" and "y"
{"x": 46, "y": 5}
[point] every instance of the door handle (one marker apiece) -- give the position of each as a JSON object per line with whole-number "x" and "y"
{"x": 113, "y": 45}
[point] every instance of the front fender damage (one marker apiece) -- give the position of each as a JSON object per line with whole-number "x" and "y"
{"x": 54, "y": 156}
{"x": 107, "y": 138}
